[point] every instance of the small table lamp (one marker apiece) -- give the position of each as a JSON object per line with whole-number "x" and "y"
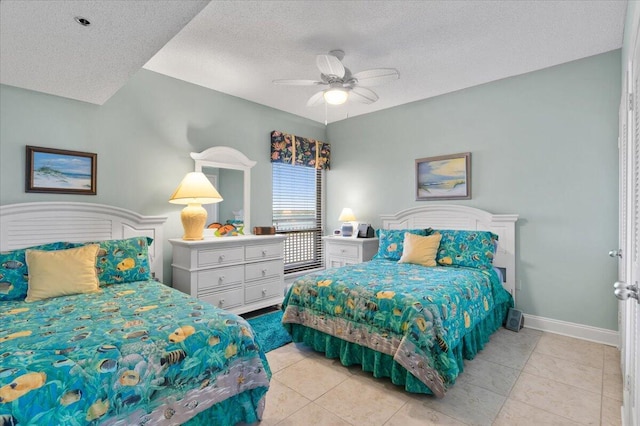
{"x": 346, "y": 216}
{"x": 194, "y": 191}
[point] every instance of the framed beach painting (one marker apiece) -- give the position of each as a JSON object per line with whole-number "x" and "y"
{"x": 60, "y": 171}
{"x": 447, "y": 177}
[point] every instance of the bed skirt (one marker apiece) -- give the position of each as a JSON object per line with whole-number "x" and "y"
{"x": 246, "y": 407}
{"x": 383, "y": 365}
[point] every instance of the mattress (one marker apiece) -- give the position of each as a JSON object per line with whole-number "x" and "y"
{"x": 134, "y": 353}
{"x": 418, "y": 316}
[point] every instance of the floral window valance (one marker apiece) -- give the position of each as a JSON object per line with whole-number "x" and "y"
{"x": 299, "y": 151}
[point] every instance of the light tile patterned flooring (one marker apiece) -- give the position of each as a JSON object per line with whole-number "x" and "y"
{"x": 525, "y": 378}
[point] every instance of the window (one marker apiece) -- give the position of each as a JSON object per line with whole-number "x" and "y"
{"x": 297, "y": 213}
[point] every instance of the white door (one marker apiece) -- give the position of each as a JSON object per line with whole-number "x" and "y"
{"x": 629, "y": 271}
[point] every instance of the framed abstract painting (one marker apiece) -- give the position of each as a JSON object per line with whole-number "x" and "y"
{"x": 447, "y": 177}
{"x": 60, "y": 171}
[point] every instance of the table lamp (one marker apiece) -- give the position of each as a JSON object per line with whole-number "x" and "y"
{"x": 194, "y": 191}
{"x": 346, "y": 216}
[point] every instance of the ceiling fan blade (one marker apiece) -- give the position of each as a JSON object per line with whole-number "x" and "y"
{"x": 375, "y": 77}
{"x": 316, "y": 99}
{"x": 330, "y": 65}
{"x": 298, "y": 82}
{"x": 362, "y": 95}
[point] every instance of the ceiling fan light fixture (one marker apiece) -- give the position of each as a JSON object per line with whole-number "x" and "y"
{"x": 343, "y": 85}
{"x": 336, "y": 96}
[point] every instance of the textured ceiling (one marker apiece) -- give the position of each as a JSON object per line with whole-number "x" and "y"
{"x": 43, "y": 48}
{"x": 240, "y": 47}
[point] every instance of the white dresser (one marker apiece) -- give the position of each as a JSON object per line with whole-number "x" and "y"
{"x": 341, "y": 251}
{"x": 240, "y": 274}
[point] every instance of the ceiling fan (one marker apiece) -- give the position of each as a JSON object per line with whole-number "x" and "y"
{"x": 342, "y": 84}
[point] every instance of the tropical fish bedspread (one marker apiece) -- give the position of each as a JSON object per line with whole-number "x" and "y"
{"x": 134, "y": 353}
{"x": 411, "y": 312}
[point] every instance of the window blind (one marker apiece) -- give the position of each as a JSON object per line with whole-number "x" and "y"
{"x": 297, "y": 213}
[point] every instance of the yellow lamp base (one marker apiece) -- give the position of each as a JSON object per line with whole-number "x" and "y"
{"x": 193, "y": 217}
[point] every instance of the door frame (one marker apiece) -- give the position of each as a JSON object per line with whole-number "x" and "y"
{"x": 629, "y": 230}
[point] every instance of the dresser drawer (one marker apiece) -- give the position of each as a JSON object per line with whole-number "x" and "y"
{"x": 343, "y": 250}
{"x": 225, "y": 299}
{"x": 220, "y": 256}
{"x": 264, "y": 251}
{"x": 240, "y": 274}
{"x": 260, "y": 270}
{"x": 264, "y": 290}
{"x": 220, "y": 277}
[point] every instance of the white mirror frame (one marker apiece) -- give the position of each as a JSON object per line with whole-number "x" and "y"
{"x": 224, "y": 157}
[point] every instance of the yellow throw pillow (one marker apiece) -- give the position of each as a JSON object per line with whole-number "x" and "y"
{"x": 420, "y": 250}
{"x": 61, "y": 272}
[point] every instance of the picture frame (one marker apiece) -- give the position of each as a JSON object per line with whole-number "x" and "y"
{"x": 446, "y": 177}
{"x": 60, "y": 171}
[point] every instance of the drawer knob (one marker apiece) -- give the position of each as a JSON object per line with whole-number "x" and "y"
{"x": 221, "y": 302}
{"x": 264, "y": 291}
{"x": 221, "y": 258}
{"x": 221, "y": 278}
{"x": 264, "y": 272}
{"x": 342, "y": 250}
{"x": 264, "y": 252}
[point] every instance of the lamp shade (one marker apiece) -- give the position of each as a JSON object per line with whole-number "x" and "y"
{"x": 195, "y": 188}
{"x": 346, "y": 215}
{"x": 336, "y": 96}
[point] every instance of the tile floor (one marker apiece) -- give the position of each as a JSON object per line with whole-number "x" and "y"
{"x": 525, "y": 378}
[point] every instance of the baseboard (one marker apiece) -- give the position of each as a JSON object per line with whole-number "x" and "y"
{"x": 579, "y": 331}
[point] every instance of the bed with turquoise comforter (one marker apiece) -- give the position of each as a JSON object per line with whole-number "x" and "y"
{"x": 411, "y": 323}
{"x": 133, "y": 353}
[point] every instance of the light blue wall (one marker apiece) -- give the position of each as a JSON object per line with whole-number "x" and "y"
{"x": 143, "y": 136}
{"x": 544, "y": 146}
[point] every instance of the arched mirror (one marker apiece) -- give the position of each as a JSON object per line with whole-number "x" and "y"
{"x": 230, "y": 172}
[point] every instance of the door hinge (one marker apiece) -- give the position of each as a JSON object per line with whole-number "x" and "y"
{"x": 630, "y": 101}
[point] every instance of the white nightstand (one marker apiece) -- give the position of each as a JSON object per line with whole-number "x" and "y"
{"x": 341, "y": 251}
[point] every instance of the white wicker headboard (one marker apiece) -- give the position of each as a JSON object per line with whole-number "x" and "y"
{"x": 28, "y": 224}
{"x": 443, "y": 216}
